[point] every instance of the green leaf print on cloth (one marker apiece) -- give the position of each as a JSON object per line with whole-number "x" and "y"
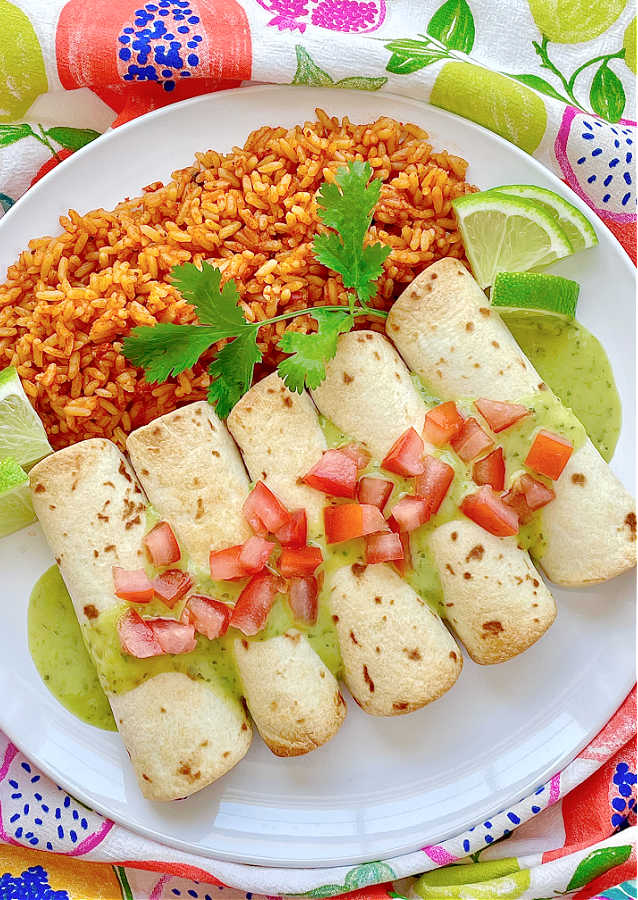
{"x": 308, "y": 73}
{"x": 22, "y": 73}
{"x": 492, "y": 100}
{"x": 607, "y": 95}
{"x": 359, "y": 877}
{"x": 72, "y": 138}
{"x": 453, "y": 25}
{"x": 573, "y": 21}
{"x": 597, "y": 863}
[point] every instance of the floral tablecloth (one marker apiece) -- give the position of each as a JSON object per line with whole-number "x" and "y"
{"x": 556, "y": 78}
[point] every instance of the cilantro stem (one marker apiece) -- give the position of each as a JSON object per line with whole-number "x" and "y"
{"x": 363, "y": 311}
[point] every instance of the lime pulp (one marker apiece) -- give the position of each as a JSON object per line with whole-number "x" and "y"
{"x": 22, "y": 434}
{"x": 535, "y": 292}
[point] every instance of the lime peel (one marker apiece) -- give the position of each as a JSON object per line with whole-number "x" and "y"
{"x": 503, "y": 233}
{"x": 22, "y": 434}
{"x": 535, "y": 292}
{"x": 16, "y": 509}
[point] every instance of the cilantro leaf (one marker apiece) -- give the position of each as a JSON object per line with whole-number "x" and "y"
{"x": 347, "y": 207}
{"x": 215, "y": 305}
{"x": 232, "y": 371}
{"x": 310, "y": 352}
{"x": 165, "y": 349}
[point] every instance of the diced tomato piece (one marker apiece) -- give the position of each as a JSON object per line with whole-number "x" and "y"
{"x": 161, "y": 545}
{"x": 549, "y": 454}
{"x": 300, "y": 562}
{"x": 351, "y": 520}
{"x": 173, "y": 636}
{"x": 254, "y": 603}
{"x": 334, "y": 474}
{"x": 295, "y": 532}
{"x": 490, "y": 470}
{"x": 499, "y": 415}
{"x": 172, "y": 585}
{"x": 136, "y": 637}
{"x": 488, "y": 510}
{"x": 263, "y": 511}
{"x": 303, "y": 593}
{"x": 442, "y": 424}
{"x": 383, "y": 547}
{"x": 133, "y": 585}
{"x": 375, "y": 491}
{"x": 358, "y": 453}
{"x": 527, "y": 495}
{"x": 402, "y": 565}
{"x": 471, "y": 440}
{"x": 410, "y": 513}
{"x": 434, "y": 482}
{"x": 405, "y": 456}
{"x": 255, "y": 553}
{"x": 225, "y": 565}
{"x": 210, "y": 617}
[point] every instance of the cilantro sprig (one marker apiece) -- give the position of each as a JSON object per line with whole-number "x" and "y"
{"x": 346, "y": 207}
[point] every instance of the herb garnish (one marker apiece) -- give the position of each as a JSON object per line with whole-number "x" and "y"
{"x": 166, "y": 349}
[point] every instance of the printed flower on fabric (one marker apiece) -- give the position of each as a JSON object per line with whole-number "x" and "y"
{"x": 359, "y": 16}
{"x": 33, "y": 884}
{"x": 623, "y": 796}
{"x": 153, "y": 53}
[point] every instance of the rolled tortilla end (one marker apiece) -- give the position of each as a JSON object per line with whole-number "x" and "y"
{"x": 197, "y": 452}
{"x": 397, "y": 654}
{"x": 294, "y": 698}
{"x": 494, "y": 625}
{"x": 181, "y": 734}
{"x": 449, "y": 335}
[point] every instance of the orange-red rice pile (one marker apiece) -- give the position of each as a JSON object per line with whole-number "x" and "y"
{"x": 70, "y": 299}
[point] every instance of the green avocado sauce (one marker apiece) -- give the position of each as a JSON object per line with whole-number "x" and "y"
{"x": 59, "y": 653}
{"x": 574, "y": 364}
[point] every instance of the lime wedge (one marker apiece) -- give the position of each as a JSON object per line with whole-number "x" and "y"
{"x": 534, "y": 292}
{"x": 576, "y": 226}
{"x": 507, "y": 234}
{"x": 16, "y": 510}
{"x": 22, "y": 434}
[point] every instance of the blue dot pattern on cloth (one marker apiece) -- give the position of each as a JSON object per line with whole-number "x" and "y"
{"x": 622, "y": 141}
{"x": 162, "y": 45}
{"x": 625, "y": 803}
{"x": 33, "y": 884}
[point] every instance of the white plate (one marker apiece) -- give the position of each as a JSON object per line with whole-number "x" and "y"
{"x": 381, "y": 787}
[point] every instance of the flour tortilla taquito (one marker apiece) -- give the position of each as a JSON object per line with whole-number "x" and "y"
{"x": 193, "y": 473}
{"x": 494, "y": 600}
{"x": 377, "y": 615}
{"x": 181, "y": 734}
{"x": 446, "y": 331}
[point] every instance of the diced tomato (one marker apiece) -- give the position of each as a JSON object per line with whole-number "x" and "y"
{"x": 471, "y": 440}
{"x": 161, "y": 545}
{"x": 402, "y": 565}
{"x": 225, "y": 565}
{"x": 375, "y": 491}
{"x": 410, "y": 513}
{"x": 351, "y": 520}
{"x": 133, "y": 585}
{"x": 334, "y": 474}
{"x": 136, "y": 637}
{"x": 499, "y": 415}
{"x": 549, "y": 454}
{"x": 255, "y": 553}
{"x": 490, "y": 470}
{"x": 527, "y": 495}
{"x": 254, "y": 603}
{"x": 405, "y": 456}
{"x": 210, "y": 617}
{"x": 358, "y": 453}
{"x": 488, "y": 510}
{"x": 299, "y": 562}
{"x": 263, "y": 511}
{"x": 172, "y": 585}
{"x": 303, "y": 593}
{"x": 173, "y": 636}
{"x": 442, "y": 424}
{"x": 295, "y": 532}
{"x": 434, "y": 482}
{"x": 383, "y": 547}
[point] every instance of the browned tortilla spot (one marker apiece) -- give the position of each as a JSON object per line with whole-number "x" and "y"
{"x": 347, "y": 379}
{"x": 90, "y": 611}
{"x": 368, "y": 680}
{"x": 578, "y": 478}
{"x": 493, "y": 627}
{"x": 39, "y": 488}
{"x": 412, "y": 654}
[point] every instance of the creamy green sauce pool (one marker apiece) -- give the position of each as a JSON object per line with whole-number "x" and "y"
{"x": 574, "y": 364}
{"x": 59, "y": 654}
